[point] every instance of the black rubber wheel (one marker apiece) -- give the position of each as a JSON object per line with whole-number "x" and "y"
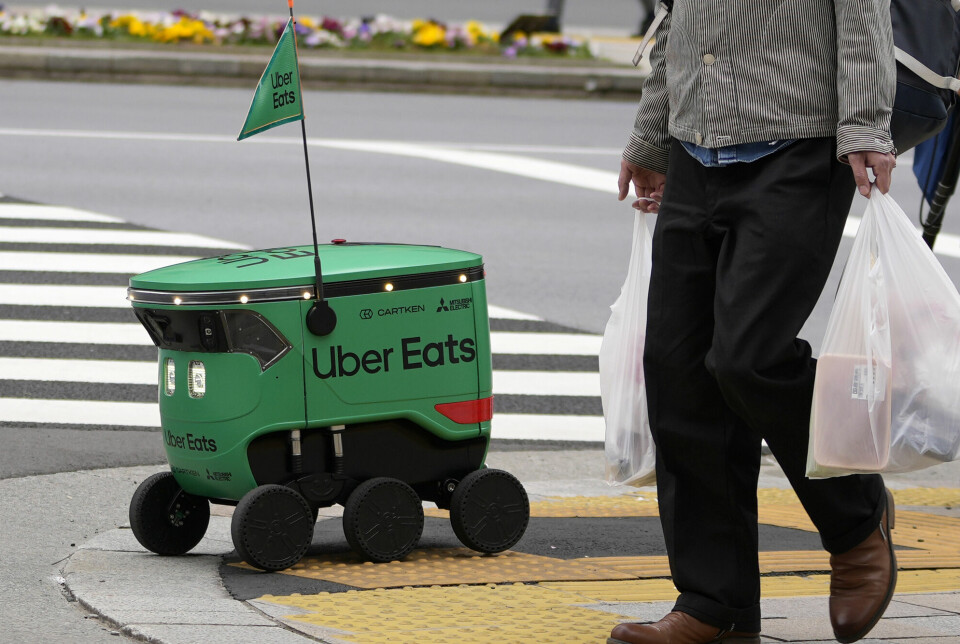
{"x": 383, "y": 519}
{"x": 489, "y": 510}
{"x": 165, "y": 519}
{"x": 272, "y": 527}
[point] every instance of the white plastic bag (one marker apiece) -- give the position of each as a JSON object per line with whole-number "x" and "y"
{"x": 887, "y": 390}
{"x": 630, "y": 453}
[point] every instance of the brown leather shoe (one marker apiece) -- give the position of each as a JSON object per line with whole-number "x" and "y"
{"x": 678, "y": 628}
{"x": 862, "y": 581}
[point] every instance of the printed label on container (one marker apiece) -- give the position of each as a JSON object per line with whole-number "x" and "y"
{"x": 858, "y": 386}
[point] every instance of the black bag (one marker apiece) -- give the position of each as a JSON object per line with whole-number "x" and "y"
{"x": 926, "y": 34}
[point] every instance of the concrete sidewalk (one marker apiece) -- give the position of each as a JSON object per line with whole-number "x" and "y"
{"x": 183, "y": 599}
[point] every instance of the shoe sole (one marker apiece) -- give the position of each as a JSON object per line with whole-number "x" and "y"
{"x": 888, "y": 529}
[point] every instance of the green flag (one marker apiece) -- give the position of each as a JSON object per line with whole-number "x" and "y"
{"x": 278, "y": 98}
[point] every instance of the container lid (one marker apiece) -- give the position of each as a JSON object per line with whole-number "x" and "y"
{"x": 294, "y": 266}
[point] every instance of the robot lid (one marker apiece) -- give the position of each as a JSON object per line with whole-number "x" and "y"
{"x": 288, "y": 273}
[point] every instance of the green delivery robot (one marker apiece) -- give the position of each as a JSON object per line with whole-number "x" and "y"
{"x": 283, "y": 395}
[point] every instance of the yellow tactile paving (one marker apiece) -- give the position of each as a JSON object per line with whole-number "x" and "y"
{"x": 934, "y": 542}
{"x": 458, "y": 614}
{"x": 930, "y": 562}
{"x": 650, "y": 590}
{"x": 552, "y": 611}
{"x": 448, "y": 566}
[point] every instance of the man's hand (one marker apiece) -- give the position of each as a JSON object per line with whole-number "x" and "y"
{"x": 647, "y": 183}
{"x": 881, "y": 163}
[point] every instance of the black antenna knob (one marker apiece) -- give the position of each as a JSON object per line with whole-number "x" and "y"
{"x": 321, "y": 319}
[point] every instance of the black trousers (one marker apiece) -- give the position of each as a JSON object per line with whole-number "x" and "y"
{"x": 740, "y": 256}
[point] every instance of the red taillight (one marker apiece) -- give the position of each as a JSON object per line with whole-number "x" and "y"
{"x": 468, "y": 411}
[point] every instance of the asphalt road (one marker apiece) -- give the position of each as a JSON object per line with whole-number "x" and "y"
{"x": 167, "y": 157}
{"x": 527, "y": 183}
{"x": 427, "y": 169}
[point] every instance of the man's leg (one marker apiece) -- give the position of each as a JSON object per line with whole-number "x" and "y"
{"x": 707, "y": 459}
{"x": 783, "y": 218}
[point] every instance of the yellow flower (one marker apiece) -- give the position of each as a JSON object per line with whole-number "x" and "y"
{"x": 136, "y": 28}
{"x": 476, "y": 30}
{"x": 430, "y": 34}
{"x": 307, "y": 22}
{"x": 184, "y": 29}
{"x": 121, "y": 22}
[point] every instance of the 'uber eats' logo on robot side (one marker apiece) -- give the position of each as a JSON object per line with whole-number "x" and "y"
{"x": 413, "y": 353}
{"x": 189, "y": 442}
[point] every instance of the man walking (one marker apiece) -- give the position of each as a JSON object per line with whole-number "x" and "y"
{"x": 758, "y": 123}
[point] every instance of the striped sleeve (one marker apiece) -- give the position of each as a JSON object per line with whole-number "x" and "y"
{"x": 649, "y": 143}
{"x": 866, "y": 76}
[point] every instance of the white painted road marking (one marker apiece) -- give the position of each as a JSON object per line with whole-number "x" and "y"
{"x": 546, "y": 383}
{"x": 83, "y": 412}
{"x": 575, "y": 344}
{"x": 65, "y": 370}
{"x": 73, "y": 332}
{"x": 107, "y": 236}
{"x": 530, "y": 383}
{"x": 47, "y": 295}
{"x": 52, "y": 213}
{"x": 85, "y": 262}
{"x": 475, "y": 156}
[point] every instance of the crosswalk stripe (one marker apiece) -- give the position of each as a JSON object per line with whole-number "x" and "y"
{"x": 533, "y": 383}
{"x": 108, "y": 333}
{"x": 67, "y": 412}
{"x": 52, "y": 213}
{"x": 546, "y": 383}
{"x": 55, "y": 295}
{"x": 508, "y": 314}
{"x": 71, "y": 370}
{"x": 84, "y": 412}
{"x": 547, "y": 427}
{"x": 73, "y": 332}
{"x": 85, "y": 262}
{"x": 545, "y": 343}
{"x": 16, "y": 234}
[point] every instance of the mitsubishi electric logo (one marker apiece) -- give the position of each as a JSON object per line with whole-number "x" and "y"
{"x": 458, "y": 304}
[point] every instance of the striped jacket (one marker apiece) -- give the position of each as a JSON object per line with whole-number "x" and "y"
{"x": 726, "y": 72}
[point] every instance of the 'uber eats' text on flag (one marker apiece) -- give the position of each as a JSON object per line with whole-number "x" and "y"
{"x": 278, "y": 96}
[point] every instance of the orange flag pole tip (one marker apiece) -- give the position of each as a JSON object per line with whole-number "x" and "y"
{"x": 290, "y": 3}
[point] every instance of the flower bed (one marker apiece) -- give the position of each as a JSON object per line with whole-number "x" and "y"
{"x": 378, "y": 33}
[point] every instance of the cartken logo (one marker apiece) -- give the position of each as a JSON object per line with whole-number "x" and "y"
{"x": 366, "y": 314}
